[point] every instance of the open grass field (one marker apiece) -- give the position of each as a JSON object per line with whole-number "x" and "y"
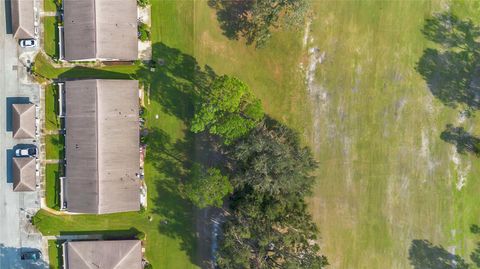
{"x": 385, "y": 177}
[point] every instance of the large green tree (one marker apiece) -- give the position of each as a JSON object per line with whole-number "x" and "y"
{"x": 271, "y": 160}
{"x": 269, "y": 225}
{"x": 228, "y": 109}
{"x": 269, "y": 232}
{"x": 207, "y": 187}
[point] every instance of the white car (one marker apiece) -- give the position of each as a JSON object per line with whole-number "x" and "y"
{"x": 28, "y": 152}
{"x": 28, "y": 43}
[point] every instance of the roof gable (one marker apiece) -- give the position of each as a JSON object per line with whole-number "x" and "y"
{"x": 121, "y": 254}
{"x": 23, "y": 121}
{"x": 100, "y": 29}
{"x": 24, "y": 174}
{"x": 23, "y": 19}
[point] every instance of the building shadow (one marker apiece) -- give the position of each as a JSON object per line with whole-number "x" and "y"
{"x": 463, "y": 140}
{"x": 11, "y": 256}
{"x": 9, "y": 165}
{"x": 129, "y": 234}
{"x": 10, "y": 101}
{"x": 82, "y": 72}
{"x": 8, "y": 17}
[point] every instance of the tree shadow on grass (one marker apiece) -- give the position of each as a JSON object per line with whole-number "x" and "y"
{"x": 175, "y": 80}
{"x": 463, "y": 140}
{"x": 424, "y": 255}
{"x": 173, "y": 160}
{"x": 177, "y": 214}
{"x": 57, "y": 148}
{"x": 232, "y": 16}
{"x": 452, "y": 70}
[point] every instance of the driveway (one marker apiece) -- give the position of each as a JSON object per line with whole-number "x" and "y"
{"x": 16, "y": 232}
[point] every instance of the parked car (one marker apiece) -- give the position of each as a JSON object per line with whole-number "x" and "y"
{"x": 28, "y": 152}
{"x": 31, "y": 255}
{"x": 28, "y": 43}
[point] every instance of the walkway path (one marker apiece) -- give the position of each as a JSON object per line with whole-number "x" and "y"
{"x": 74, "y": 237}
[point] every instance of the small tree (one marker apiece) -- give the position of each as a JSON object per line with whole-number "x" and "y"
{"x": 229, "y": 109}
{"x": 143, "y": 3}
{"x": 207, "y": 187}
{"x": 143, "y": 31}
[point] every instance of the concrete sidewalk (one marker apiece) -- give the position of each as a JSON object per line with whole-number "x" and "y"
{"x": 16, "y": 232}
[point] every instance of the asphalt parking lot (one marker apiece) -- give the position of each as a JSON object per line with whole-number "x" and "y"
{"x": 16, "y": 232}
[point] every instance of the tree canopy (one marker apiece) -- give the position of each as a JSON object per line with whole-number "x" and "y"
{"x": 255, "y": 19}
{"x": 207, "y": 187}
{"x": 269, "y": 225}
{"x": 271, "y": 160}
{"x": 269, "y": 232}
{"x": 228, "y": 109}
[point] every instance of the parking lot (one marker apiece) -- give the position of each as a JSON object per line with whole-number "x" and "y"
{"x": 16, "y": 232}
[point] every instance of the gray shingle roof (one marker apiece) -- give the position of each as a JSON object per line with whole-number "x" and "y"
{"x": 23, "y": 121}
{"x": 23, "y": 19}
{"x": 24, "y": 177}
{"x": 122, "y": 254}
{"x": 102, "y": 146}
{"x": 100, "y": 29}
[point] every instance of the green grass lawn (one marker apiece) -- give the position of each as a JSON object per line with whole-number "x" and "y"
{"x": 55, "y": 256}
{"x": 49, "y": 5}
{"x": 52, "y": 121}
{"x": 52, "y": 191}
{"x": 54, "y": 146}
{"x": 44, "y": 69}
{"x": 171, "y": 240}
{"x": 385, "y": 176}
{"x": 50, "y": 36}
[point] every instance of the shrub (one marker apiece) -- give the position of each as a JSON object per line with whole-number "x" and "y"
{"x": 143, "y": 31}
{"x": 143, "y": 3}
{"x": 140, "y": 236}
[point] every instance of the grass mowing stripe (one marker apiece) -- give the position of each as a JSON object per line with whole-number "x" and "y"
{"x": 52, "y": 121}
{"x": 52, "y": 191}
{"x": 54, "y": 146}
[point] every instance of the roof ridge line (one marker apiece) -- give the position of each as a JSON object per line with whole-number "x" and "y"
{"x": 81, "y": 256}
{"x": 126, "y": 254}
{"x": 95, "y": 31}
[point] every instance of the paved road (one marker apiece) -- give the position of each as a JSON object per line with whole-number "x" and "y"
{"x": 16, "y": 233}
